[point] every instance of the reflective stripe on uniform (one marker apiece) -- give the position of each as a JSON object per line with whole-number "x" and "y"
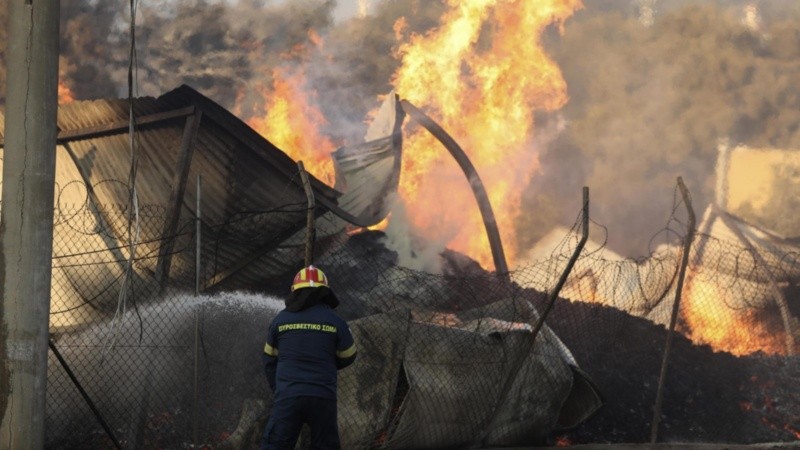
{"x": 270, "y": 350}
{"x": 346, "y": 353}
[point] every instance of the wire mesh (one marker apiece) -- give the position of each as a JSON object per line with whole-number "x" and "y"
{"x": 446, "y": 359}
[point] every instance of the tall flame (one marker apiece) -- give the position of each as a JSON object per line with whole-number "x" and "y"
{"x": 481, "y": 75}
{"x": 292, "y": 121}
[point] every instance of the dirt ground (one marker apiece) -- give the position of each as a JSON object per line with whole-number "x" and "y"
{"x": 709, "y": 396}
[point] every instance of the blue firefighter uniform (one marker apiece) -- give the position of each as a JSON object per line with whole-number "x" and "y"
{"x": 306, "y": 345}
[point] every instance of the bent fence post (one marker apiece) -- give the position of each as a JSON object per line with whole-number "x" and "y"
{"x": 310, "y": 231}
{"x": 509, "y": 381}
{"x": 563, "y": 279}
{"x": 687, "y": 245}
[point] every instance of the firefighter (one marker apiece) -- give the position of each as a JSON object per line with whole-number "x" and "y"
{"x": 306, "y": 345}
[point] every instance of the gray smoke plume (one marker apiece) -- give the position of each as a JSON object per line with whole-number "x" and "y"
{"x": 650, "y": 100}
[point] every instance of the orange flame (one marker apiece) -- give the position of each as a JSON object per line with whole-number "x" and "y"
{"x": 481, "y": 75}
{"x": 484, "y": 94}
{"x": 291, "y": 122}
{"x": 712, "y": 322}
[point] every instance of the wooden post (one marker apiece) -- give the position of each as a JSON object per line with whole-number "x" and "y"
{"x": 26, "y": 231}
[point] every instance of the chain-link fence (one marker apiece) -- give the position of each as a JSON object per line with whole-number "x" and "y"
{"x": 452, "y": 359}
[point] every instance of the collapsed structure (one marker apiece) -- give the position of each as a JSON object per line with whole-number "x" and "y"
{"x": 734, "y": 265}
{"x": 125, "y": 239}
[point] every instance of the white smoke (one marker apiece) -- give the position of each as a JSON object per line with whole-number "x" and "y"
{"x": 412, "y": 252}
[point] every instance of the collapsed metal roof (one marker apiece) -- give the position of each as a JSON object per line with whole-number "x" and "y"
{"x": 183, "y": 136}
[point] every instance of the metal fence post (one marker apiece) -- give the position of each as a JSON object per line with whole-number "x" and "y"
{"x": 687, "y": 246}
{"x": 197, "y": 249}
{"x": 478, "y": 190}
{"x": 540, "y": 321}
{"x": 557, "y": 289}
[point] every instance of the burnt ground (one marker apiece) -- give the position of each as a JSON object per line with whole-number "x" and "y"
{"x": 708, "y": 397}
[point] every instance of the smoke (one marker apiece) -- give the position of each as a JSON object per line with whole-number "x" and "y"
{"x": 228, "y": 49}
{"x": 412, "y": 251}
{"x": 653, "y": 84}
{"x": 225, "y": 50}
{"x": 354, "y": 68}
{"x": 219, "y": 47}
{"x": 649, "y": 102}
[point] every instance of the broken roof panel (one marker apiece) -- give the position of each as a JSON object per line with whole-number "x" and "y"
{"x": 253, "y": 205}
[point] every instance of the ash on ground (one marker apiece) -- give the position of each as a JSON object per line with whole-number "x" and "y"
{"x": 708, "y": 396}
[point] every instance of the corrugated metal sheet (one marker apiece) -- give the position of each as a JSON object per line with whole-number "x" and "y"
{"x": 368, "y": 173}
{"x": 253, "y": 202}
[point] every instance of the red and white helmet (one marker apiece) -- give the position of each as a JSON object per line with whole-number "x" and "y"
{"x": 309, "y": 277}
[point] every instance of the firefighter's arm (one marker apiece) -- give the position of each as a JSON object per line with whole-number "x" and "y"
{"x": 270, "y": 360}
{"x": 346, "y": 349}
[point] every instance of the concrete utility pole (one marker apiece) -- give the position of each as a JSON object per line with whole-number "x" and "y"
{"x": 26, "y": 222}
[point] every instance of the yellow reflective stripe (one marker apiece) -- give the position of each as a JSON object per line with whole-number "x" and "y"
{"x": 309, "y": 283}
{"x": 270, "y": 350}
{"x": 346, "y": 353}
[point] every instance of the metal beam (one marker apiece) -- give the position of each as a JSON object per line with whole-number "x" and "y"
{"x": 179, "y": 179}
{"x": 118, "y": 126}
{"x": 492, "y": 232}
